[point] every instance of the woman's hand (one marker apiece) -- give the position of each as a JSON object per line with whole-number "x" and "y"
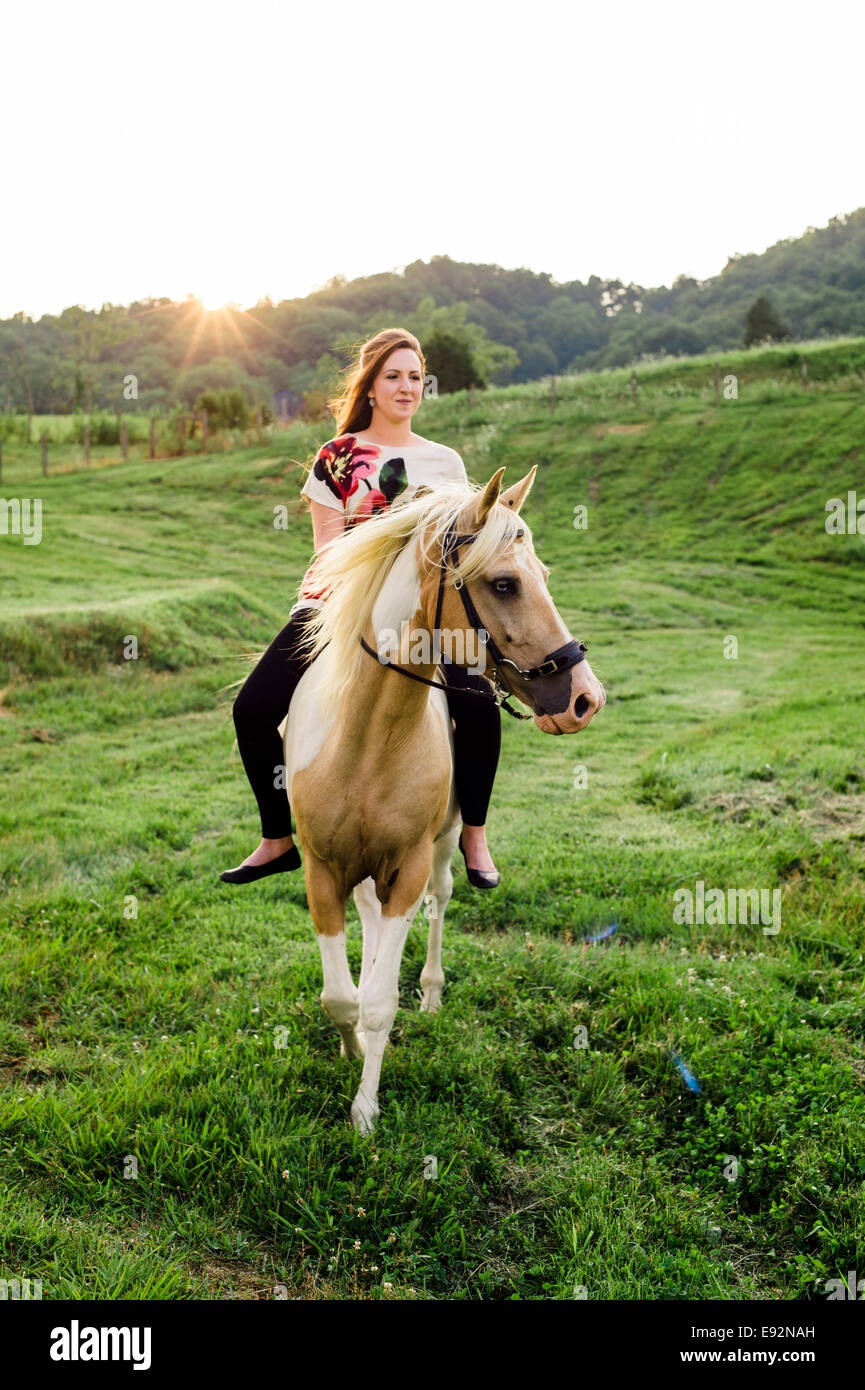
{"x": 327, "y": 524}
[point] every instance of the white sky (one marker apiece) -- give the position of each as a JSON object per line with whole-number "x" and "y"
{"x": 240, "y": 150}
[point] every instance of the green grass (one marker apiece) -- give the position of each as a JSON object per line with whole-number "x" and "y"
{"x": 559, "y": 1166}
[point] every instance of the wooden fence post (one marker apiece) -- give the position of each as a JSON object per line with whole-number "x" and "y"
{"x": 633, "y": 388}
{"x": 804, "y": 373}
{"x": 29, "y": 428}
{"x": 124, "y": 438}
{"x": 182, "y": 433}
{"x": 87, "y": 444}
{"x": 44, "y": 442}
{"x": 258, "y": 420}
{"x": 717, "y": 382}
{"x": 204, "y": 429}
{"x": 552, "y": 393}
{"x": 153, "y": 436}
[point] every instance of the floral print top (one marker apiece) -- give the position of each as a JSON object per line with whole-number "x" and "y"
{"x": 360, "y": 479}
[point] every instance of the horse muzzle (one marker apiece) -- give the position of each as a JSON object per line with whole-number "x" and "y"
{"x": 566, "y": 702}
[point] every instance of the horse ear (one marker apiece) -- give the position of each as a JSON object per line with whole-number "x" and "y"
{"x": 516, "y": 495}
{"x": 487, "y": 499}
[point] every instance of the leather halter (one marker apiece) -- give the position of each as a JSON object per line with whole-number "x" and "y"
{"x": 562, "y": 659}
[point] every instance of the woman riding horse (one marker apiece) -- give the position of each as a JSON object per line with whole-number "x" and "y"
{"x": 374, "y": 460}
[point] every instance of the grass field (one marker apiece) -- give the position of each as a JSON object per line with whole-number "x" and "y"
{"x": 143, "y": 1000}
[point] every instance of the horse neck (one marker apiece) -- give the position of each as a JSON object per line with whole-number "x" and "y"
{"x": 384, "y": 706}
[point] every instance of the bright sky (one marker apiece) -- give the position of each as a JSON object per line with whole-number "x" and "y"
{"x": 234, "y": 151}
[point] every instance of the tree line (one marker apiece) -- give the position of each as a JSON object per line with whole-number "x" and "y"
{"x": 478, "y": 324}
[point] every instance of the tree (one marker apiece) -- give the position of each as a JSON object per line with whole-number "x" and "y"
{"x": 450, "y": 360}
{"x": 429, "y": 319}
{"x": 220, "y": 373}
{"x": 668, "y": 335}
{"x": 88, "y": 338}
{"x": 536, "y": 359}
{"x": 762, "y": 324}
{"x": 29, "y": 365}
{"x": 569, "y": 329}
{"x": 226, "y": 408}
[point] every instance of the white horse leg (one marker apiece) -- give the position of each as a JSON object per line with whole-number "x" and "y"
{"x": 339, "y": 997}
{"x": 384, "y": 940}
{"x": 379, "y": 999}
{"x": 369, "y": 910}
{"x": 439, "y": 890}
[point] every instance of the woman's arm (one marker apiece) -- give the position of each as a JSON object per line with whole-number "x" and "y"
{"x": 327, "y": 524}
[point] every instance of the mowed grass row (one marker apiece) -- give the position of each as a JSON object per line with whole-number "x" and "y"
{"x": 174, "y": 1109}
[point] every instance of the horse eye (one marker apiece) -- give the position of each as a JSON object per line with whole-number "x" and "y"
{"x": 505, "y": 586}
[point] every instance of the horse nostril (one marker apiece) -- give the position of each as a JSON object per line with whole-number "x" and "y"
{"x": 581, "y": 705}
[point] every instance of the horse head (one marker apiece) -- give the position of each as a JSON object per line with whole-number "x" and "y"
{"x": 504, "y": 590}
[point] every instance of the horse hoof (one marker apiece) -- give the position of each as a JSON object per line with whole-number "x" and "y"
{"x": 431, "y": 996}
{"x": 364, "y": 1115}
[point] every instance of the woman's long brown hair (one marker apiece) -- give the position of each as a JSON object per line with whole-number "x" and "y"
{"x": 351, "y": 408}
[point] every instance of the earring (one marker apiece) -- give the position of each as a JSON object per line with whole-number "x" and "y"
{"x": 371, "y": 401}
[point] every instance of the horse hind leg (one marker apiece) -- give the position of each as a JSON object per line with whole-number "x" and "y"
{"x": 438, "y": 895}
{"x": 339, "y": 996}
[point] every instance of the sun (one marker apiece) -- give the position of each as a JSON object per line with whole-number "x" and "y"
{"x": 212, "y": 303}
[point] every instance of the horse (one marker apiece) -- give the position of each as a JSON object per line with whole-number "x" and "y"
{"x": 369, "y": 753}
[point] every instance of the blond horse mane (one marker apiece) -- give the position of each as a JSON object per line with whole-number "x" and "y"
{"x": 354, "y": 566}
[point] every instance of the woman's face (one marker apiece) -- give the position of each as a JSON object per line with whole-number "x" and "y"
{"x": 398, "y": 388}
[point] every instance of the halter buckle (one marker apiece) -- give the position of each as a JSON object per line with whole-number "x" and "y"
{"x": 547, "y": 668}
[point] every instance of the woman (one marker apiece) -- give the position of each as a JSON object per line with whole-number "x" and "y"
{"x": 374, "y": 459}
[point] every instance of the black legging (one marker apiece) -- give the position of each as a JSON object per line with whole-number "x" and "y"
{"x": 262, "y": 703}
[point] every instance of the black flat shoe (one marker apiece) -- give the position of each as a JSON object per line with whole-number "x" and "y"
{"x": 478, "y": 878}
{"x": 248, "y": 873}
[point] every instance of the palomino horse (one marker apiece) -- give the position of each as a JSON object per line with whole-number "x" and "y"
{"x": 369, "y": 753}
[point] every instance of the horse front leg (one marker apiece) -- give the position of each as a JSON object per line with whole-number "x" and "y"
{"x": 339, "y": 996}
{"x": 369, "y": 910}
{"x": 379, "y": 986}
